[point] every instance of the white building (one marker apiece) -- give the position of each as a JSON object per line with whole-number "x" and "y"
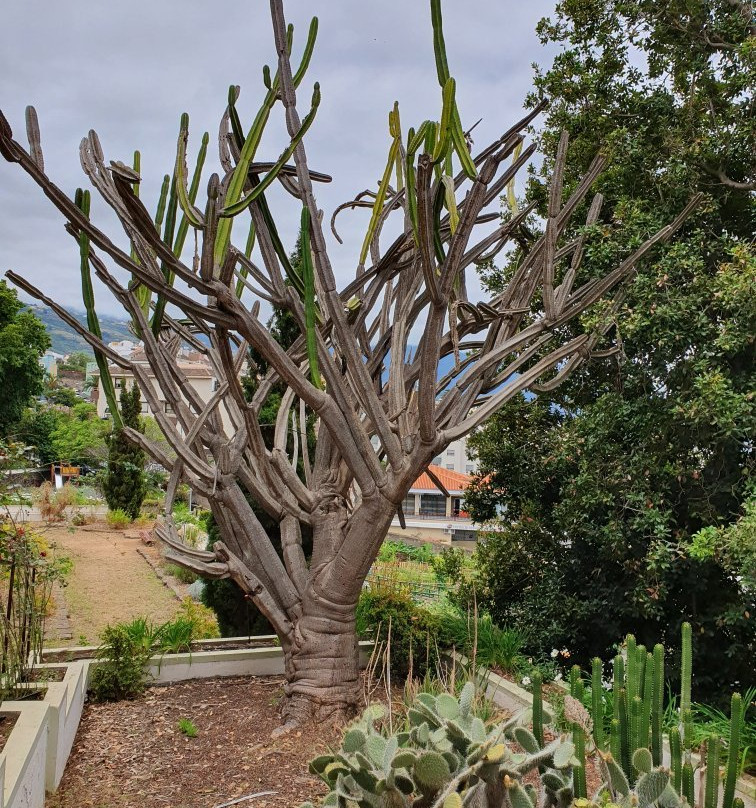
{"x": 194, "y": 366}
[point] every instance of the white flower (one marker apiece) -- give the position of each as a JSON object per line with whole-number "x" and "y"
{"x": 558, "y": 677}
{"x": 525, "y": 680}
{"x": 554, "y": 653}
{"x": 606, "y": 685}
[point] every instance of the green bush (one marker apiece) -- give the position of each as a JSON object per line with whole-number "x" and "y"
{"x": 416, "y": 633}
{"x": 118, "y": 519}
{"x": 121, "y": 669}
{"x": 182, "y": 573}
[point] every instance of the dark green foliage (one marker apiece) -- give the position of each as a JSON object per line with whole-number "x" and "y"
{"x": 23, "y": 340}
{"x": 625, "y": 463}
{"x": 125, "y": 487}
{"x": 416, "y": 634}
{"x": 237, "y": 616}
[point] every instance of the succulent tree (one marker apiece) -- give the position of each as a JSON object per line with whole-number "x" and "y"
{"x": 383, "y": 412}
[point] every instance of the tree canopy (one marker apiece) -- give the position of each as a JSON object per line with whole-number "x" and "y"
{"x": 629, "y": 459}
{"x": 23, "y": 340}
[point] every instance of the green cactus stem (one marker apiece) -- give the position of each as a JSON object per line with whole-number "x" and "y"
{"x": 712, "y": 772}
{"x": 309, "y": 301}
{"x": 632, "y": 668}
{"x": 537, "y": 685}
{"x": 576, "y": 683}
{"x": 675, "y": 749}
{"x": 648, "y": 693}
{"x": 624, "y": 733}
{"x": 733, "y": 751}
{"x": 82, "y": 200}
{"x": 615, "y": 745}
{"x": 657, "y": 705}
{"x": 597, "y": 702}
{"x": 686, "y": 673}
{"x": 579, "y": 785}
{"x": 618, "y": 680}
{"x": 636, "y": 719}
{"x": 688, "y": 783}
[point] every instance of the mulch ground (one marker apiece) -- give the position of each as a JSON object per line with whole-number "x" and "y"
{"x": 132, "y": 753}
{"x": 7, "y": 720}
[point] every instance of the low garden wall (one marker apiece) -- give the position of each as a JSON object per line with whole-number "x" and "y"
{"x": 36, "y": 752}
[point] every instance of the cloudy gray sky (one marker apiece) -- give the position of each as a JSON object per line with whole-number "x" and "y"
{"x": 128, "y": 70}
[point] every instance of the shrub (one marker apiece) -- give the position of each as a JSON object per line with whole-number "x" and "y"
{"x": 181, "y": 573}
{"x": 203, "y": 621}
{"x": 120, "y": 672}
{"x": 494, "y": 647}
{"x": 117, "y": 519}
{"x": 415, "y": 632}
{"x": 175, "y": 636}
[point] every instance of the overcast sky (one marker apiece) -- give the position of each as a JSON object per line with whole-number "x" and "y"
{"x": 128, "y": 70}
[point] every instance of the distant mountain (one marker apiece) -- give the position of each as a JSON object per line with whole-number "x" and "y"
{"x": 65, "y": 340}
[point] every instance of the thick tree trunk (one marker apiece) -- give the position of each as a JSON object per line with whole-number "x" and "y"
{"x": 322, "y": 664}
{"x": 322, "y": 652}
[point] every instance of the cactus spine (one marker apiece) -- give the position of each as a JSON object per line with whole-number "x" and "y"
{"x": 537, "y": 683}
{"x": 733, "y": 751}
{"x": 597, "y": 703}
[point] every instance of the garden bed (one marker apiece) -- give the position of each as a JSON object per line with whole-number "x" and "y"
{"x": 132, "y": 753}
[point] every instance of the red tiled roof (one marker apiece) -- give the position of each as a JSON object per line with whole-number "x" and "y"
{"x": 454, "y": 481}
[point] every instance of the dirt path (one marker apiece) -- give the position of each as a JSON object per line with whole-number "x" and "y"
{"x": 110, "y": 582}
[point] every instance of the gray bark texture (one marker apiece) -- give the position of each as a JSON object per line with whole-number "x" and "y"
{"x": 381, "y": 411}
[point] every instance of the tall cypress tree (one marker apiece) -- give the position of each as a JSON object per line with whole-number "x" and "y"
{"x": 125, "y": 487}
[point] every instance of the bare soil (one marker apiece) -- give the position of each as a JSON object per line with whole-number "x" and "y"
{"x": 110, "y": 582}
{"x": 132, "y": 753}
{"x": 7, "y": 721}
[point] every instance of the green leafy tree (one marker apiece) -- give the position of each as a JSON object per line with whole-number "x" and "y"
{"x": 631, "y": 457}
{"x": 79, "y": 435}
{"x": 125, "y": 487}
{"x": 23, "y": 340}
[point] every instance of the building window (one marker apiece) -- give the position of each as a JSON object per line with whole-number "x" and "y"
{"x": 450, "y": 466}
{"x": 216, "y": 384}
{"x": 408, "y": 505}
{"x": 464, "y": 535}
{"x": 469, "y": 468}
{"x": 450, "y": 452}
{"x": 145, "y": 408}
{"x": 168, "y": 407}
{"x": 437, "y": 460}
{"x": 432, "y": 505}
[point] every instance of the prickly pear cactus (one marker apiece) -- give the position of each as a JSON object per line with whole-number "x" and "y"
{"x": 446, "y": 757}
